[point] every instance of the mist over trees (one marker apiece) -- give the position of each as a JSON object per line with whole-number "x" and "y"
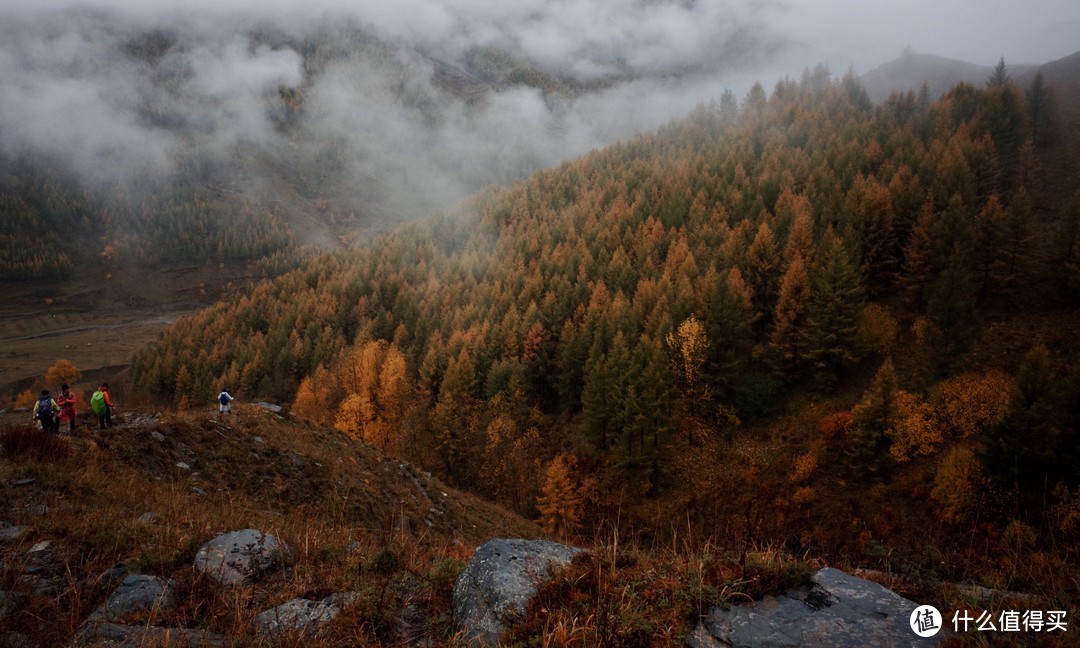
{"x": 213, "y": 135}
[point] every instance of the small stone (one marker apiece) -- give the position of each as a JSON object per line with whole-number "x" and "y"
{"x": 41, "y": 546}
{"x": 198, "y": 491}
{"x": 257, "y": 439}
{"x": 302, "y": 615}
{"x": 158, "y": 436}
{"x": 23, "y": 482}
{"x": 148, "y": 518}
{"x": 9, "y": 533}
{"x": 182, "y": 466}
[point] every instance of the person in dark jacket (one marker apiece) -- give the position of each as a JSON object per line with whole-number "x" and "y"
{"x": 45, "y": 410}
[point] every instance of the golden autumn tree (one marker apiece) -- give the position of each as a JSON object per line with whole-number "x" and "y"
{"x": 690, "y": 345}
{"x": 377, "y": 392}
{"x": 560, "y": 504}
{"x": 958, "y": 485}
{"x": 62, "y": 372}
{"x": 314, "y": 400}
{"x": 972, "y": 403}
{"x": 788, "y": 341}
{"x": 916, "y": 430}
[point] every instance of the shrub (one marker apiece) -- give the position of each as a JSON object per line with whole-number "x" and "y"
{"x": 835, "y": 425}
{"x": 32, "y": 442}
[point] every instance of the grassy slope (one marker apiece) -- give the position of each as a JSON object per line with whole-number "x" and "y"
{"x": 356, "y": 520}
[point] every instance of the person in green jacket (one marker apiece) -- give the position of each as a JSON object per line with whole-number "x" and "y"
{"x": 102, "y": 406}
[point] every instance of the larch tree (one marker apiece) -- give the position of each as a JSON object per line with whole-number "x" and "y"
{"x": 788, "y": 341}
{"x": 988, "y": 242}
{"x": 762, "y": 270}
{"x": 690, "y": 349}
{"x": 1016, "y": 244}
{"x": 919, "y": 259}
{"x": 560, "y": 503}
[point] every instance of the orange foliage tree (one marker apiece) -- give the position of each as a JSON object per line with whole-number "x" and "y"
{"x": 559, "y": 503}
{"x": 63, "y": 371}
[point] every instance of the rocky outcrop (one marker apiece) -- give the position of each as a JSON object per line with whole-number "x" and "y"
{"x": 301, "y": 616}
{"x": 839, "y": 610}
{"x": 498, "y": 583}
{"x": 239, "y": 557}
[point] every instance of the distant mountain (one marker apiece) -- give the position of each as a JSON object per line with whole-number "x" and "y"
{"x": 1063, "y": 75}
{"x": 939, "y": 73}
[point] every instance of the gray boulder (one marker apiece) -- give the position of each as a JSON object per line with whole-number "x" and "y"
{"x": 239, "y": 557}
{"x": 838, "y": 610}
{"x": 269, "y": 407}
{"x": 301, "y": 616}
{"x": 499, "y": 581}
{"x": 137, "y": 594}
{"x": 144, "y": 597}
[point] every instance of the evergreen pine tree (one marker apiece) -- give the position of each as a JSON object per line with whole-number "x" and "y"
{"x": 951, "y": 311}
{"x": 871, "y": 420}
{"x": 835, "y": 302}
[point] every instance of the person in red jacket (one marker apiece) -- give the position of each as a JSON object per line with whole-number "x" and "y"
{"x": 68, "y": 412}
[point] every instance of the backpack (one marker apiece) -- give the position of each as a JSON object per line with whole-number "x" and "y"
{"x": 223, "y": 399}
{"x": 44, "y": 410}
{"x": 97, "y": 403}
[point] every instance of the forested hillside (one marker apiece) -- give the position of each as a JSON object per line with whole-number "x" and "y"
{"x": 739, "y": 318}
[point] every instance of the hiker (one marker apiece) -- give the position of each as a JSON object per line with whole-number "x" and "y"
{"x": 224, "y": 402}
{"x": 68, "y": 412}
{"x": 102, "y": 405}
{"x": 45, "y": 410}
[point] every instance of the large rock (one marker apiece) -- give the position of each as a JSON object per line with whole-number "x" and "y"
{"x": 301, "y": 616}
{"x": 496, "y": 586}
{"x": 137, "y": 594}
{"x": 145, "y": 598}
{"x": 238, "y": 557}
{"x": 840, "y": 610}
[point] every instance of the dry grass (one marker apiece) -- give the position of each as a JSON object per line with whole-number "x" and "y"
{"x": 355, "y": 521}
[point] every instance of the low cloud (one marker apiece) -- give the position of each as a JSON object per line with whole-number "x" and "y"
{"x": 348, "y": 96}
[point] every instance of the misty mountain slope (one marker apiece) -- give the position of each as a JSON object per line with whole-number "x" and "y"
{"x": 633, "y": 310}
{"x": 195, "y": 138}
{"x": 910, "y": 71}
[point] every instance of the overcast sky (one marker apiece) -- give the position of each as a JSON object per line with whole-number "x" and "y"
{"x": 866, "y": 31}
{"x": 68, "y": 88}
